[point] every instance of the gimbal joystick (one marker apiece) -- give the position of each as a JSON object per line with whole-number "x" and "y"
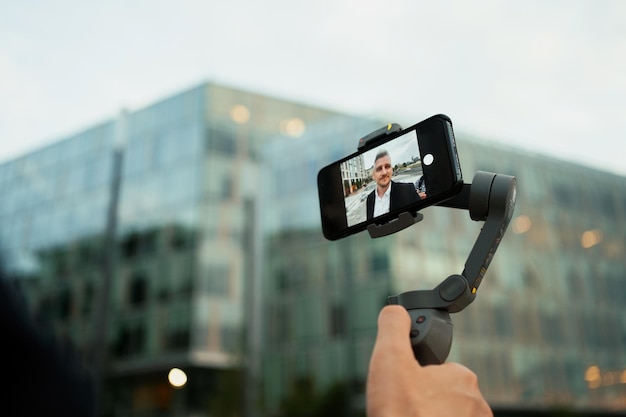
{"x": 489, "y": 198}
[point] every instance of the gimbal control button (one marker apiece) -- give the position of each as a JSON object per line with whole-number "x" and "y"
{"x": 452, "y": 287}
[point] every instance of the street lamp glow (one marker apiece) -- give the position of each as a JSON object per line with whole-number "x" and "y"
{"x": 177, "y": 377}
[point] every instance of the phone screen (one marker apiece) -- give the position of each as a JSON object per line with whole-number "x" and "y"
{"x": 368, "y": 179}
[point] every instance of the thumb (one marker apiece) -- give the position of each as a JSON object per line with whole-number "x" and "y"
{"x": 394, "y": 327}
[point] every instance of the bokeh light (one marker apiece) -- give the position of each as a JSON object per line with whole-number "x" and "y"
{"x": 591, "y": 238}
{"x": 177, "y": 377}
{"x": 593, "y": 377}
{"x": 521, "y": 224}
{"x": 294, "y": 127}
{"x": 240, "y": 114}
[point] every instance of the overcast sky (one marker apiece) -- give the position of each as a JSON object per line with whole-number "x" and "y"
{"x": 547, "y": 76}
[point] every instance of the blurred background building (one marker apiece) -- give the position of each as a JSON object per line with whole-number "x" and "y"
{"x": 217, "y": 265}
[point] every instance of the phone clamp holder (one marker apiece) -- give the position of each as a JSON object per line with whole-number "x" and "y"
{"x": 490, "y": 198}
{"x": 379, "y": 134}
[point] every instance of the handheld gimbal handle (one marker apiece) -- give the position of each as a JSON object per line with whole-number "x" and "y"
{"x": 431, "y": 335}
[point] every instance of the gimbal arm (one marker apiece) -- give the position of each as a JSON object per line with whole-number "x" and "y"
{"x": 490, "y": 198}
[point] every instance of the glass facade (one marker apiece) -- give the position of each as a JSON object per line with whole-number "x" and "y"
{"x": 221, "y": 269}
{"x": 186, "y": 240}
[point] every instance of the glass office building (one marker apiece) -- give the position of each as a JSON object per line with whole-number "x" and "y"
{"x": 184, "y": 256}
{"x": 219, "y": 266}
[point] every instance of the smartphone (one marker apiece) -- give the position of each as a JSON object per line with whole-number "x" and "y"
{"x": 405, "y": 171}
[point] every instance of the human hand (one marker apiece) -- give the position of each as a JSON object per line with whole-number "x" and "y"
{"x": 397, "y": 385}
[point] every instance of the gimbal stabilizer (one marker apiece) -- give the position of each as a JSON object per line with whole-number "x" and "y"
{"x": 489, "y": 198}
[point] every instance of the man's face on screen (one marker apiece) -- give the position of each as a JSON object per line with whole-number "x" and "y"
{"x": 383, "y": 171}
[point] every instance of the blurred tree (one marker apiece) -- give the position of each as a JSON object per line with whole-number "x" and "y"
{"x": 302, "y": 400}
{"x": 226, "y": 400}
{"x": 305, "y": 401}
